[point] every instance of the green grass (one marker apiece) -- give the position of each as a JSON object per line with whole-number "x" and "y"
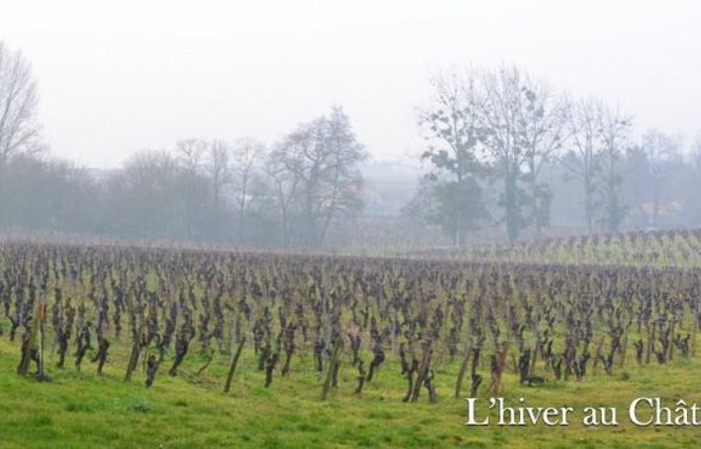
{"x": 81, "y": 410}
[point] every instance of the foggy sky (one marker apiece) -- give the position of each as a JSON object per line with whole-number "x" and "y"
{"x": 116, "y": 77}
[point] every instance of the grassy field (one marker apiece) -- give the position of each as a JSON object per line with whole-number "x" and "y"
{"x": 78, "y": 409}
{"x": 82, "y": 410}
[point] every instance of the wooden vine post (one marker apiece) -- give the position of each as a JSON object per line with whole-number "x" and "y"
{"x": 234, "y": 362}
{"x": 333, "y": 366}
{"x": 498, "y": 367}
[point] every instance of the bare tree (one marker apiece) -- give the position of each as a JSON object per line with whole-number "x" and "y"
{"x": 295, "y": 164}
{"x": 49, "y": 194}
{"x": 315, "y": 172}
{"x": 583, "y": 160}
{"x": 453, "y": 135}
{"x": 247, "y": 154}
{"x": 340, "y": 194}
{"x": 19, "y": 129}
{"x": 614, "y": 128}
{"x": 146, "y": 196}
{"x": 286, "y": 184}
{"x": 190, "y": 157}
{"x": 506, "y": 93}
{"x": 219, "y": 166}
{"x": 502, "y": 120}
{"x": 191, "y": 153}
{"x": 658, "y": 149}
{"x": 542, "y": 126}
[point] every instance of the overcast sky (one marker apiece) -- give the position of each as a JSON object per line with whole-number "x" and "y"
{"x": 119, "y": 76}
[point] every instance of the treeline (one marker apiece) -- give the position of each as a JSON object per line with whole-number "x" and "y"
{"x": 240, "y": 192}
{"x": 290, "y": 193}
{"x": 501, "y": 145}
{"x": 503, "y": 151}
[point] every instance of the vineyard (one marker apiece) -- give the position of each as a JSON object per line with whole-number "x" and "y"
{"x": 681, "y": 248}
{"x": 186, "y": 347}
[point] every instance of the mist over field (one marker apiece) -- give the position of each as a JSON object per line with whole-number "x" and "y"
{"x": 348, "y": 125}
{"x": 317, "y": 224}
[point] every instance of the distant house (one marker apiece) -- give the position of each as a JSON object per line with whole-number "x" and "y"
{"x": 644, "y": 213}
